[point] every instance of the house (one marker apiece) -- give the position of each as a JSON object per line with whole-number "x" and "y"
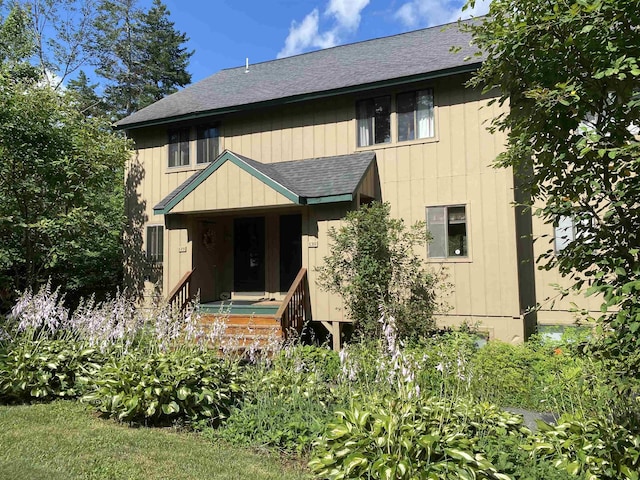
{"x": 234, "y": 182}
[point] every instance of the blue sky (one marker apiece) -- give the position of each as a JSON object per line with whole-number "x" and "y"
{"x": 224, "y": 32}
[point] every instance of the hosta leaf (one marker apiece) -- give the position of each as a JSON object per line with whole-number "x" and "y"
{"x": 183, "y": 393}
{"x": 151, "y": 410}
{"x": 170, "y": 408}
{"x": 459, "y": 454}
{"x": 354, "y": 461}
{"x": 337, "y": 431}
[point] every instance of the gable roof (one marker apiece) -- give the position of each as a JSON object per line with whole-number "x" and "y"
{"x": 304, "y": 182}
{"x": 411, "y": 56}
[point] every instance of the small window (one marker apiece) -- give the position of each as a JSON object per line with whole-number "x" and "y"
{"x": 374, "y": 121}
{"x": 179, "y": 147}
{"x": 415, "y": 115}
{"x": 155, "y": 243}
{"x": 567, "y": 229}
{"x": 448, "y": 228}
{"x": 207, "y": 144}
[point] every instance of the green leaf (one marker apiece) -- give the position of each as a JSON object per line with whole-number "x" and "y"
{"x": 170, "y": 408}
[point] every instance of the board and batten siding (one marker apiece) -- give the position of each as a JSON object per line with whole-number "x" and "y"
{"x": 554, "y": 308}
{"x": 454, "y": 168}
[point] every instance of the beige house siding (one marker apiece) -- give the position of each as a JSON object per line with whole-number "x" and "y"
{"x": 454, "y": 168}
{"x": 555, "y": 309}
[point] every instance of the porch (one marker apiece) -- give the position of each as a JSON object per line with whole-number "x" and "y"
{"x": 246, "y": 233}
{"x": 253, "y": 322}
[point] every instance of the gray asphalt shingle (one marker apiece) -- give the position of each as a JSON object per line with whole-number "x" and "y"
{"x": 309, "y": 178}
{"x": 414, "y": 53}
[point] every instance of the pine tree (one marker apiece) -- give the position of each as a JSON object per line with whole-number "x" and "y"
{"x": 143, "y": 57}
{"x": 86, "y": 99}
{"x": 163, "y": 55}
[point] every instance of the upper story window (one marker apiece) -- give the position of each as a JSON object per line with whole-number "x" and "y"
{"x": 374, "y": 121}
{"x": 208, "y": 144}
{"x": 415, "y": 115}
{"x": 179, "y": 147}
{"x": 448, "y": 228}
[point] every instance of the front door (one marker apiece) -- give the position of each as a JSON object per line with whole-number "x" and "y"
{"x": 290, "y": 249}
{"x": 248, "y": 254}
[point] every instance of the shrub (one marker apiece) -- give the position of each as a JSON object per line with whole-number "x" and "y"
{"x": 590, "y": 448}
{"x": 289, "y": 423}
{"x": 288, "y": 403}
{"x": 389, "y": 438}
{"x": 373, "y": 261}
{"x": 187, "y": 384}
{"x": 46, "y": 369}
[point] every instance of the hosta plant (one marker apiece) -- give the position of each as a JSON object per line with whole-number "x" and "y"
{"x": 591, "y": 449}
{"x": 187, "y": 384}
{"x": 415, "y": 438}
{"x": 46, "y": 369}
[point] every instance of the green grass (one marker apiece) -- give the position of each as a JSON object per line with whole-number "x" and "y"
{"x": 63, "y": 440}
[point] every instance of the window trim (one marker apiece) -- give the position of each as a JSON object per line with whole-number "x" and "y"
{"x": 576, "y": 232}
{"x": 415, "y": 112}
{"x": 372, "y": 120}
{"x": 452, "y": 259}
{"x": 393, "y": 118}
{"x": 179, "y": 131}
{"x": 202, "y": 128}
{"x": 148, "y": 244}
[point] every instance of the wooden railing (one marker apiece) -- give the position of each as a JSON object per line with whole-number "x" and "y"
{"x": 295, "y": 310}
{"x": 181, "y": 293}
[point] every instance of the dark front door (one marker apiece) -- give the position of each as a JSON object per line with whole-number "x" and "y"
{"x": 248, "y": 254}
{"x": 290, "y": 249}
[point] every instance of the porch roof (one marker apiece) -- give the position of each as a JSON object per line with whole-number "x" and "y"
{"x": 303, "y": 182}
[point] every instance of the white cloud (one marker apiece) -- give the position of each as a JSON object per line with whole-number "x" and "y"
{"x": 308, "y": 33}
{"x": 347, "y": 12}
{"x": 427, "y": 13}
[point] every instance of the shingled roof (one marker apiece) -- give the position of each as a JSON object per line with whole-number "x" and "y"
{"x": 391, "y": 60}
{"x": 309, "y": 181}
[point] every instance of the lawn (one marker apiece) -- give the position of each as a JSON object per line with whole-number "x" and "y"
{"x": 64, "y": 440}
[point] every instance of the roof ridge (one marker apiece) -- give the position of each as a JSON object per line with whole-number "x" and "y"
{"x": 441, "y": 26}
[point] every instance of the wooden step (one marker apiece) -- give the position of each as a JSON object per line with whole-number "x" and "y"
{"x": 244, "y": 332}
{"x": 241, "y": 320}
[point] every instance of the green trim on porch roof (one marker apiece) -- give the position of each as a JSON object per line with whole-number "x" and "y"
{"x": 224, "y": 157}
{"x": 347, "y": 197}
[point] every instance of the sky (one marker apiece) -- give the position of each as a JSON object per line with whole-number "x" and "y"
{"x": 223, "y": 33}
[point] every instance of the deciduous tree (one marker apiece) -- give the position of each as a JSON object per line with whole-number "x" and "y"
{"x": 570, "y": 73}
{"x": 61, "y": 173}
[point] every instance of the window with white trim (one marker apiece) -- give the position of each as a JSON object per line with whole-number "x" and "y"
{"x": 374, "y": 121}
{"x": 179, "y": 147}
{"x": 207, "y": 143}
{"x": 155, "y": 243}
{"x": 567, "y": 229}
{"x": 448, "y": 228}
{"x": 415, "y": 115}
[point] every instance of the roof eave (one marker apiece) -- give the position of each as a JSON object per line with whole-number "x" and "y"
{"x": 304, "y": 97}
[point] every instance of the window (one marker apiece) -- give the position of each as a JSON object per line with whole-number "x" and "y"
{"x": 448, "y": 227}
{"x": 374, "y": 121}
{"x": 155, "y": 243}
{"x": 179, "y": 147}
{"x": 415, "y": 115}
{"x": 207, "y": 144}
{"x": 567, "y": 229}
